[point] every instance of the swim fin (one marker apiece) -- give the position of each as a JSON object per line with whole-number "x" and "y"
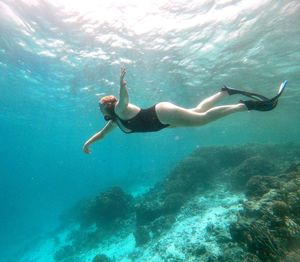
{"x": 232, "y": 91}
{"x": 260, "y": 105}
{"x": 280, "y": 90}
{"x": 265, "y": 105}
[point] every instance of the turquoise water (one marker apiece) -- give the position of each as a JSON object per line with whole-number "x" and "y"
{"x": 57, "y": 58}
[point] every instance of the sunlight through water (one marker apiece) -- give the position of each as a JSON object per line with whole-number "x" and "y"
{"x": 57, "y": 57}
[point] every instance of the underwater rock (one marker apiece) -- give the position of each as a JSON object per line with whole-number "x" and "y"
{"x": 151, "y": 224}
{"x": 64, "y": 253}
{"x": 255, "y": 207}
{"x": 291, "y": 186}
{"x": 260, "y": 185}
{"x": 280, "y": 209}
{"x": 293, "y": 201}
{"x": 147, "y": 211}
{"x": 250, "y": 258}
{"x": 294, "y": 167}
{"x": 173, "y": 202}
{"x": 253, "y": 166}
{"x": 189, "y": 175}
{"x": 267, "y": 224}
{"x": 141, "y": 235}
{"x": 84, "y": 240}
{"x": 293, "y": 257}
{"x": 196, "y": 250}
{"x": 224, "y": 156}
{"x": 292, "y": 190}
{"x": 113, "y": 203}
{"x": 101, "y": 258}
{"x": 255, "y": 187}
{"x": 161, "y": 224}
{"x": 157, "y": 214}
{"x": 176, "y": 185}
{"x": 258, "y": 240}
{"x": 106, "y": 208}
{"x": 234, "y": 253}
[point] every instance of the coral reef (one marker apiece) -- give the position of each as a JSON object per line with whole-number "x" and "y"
{"x": 141, "y": 235}
{"x": 280, "y": 209}
{"x": 250, "y": 167}
{"x": 269, "y": 224}
{"x": 257, "y": 186}
{"x": 98, "y": 218}
{"x": 101, "y": 258}
{"x": 229, "y": 203}
{"x": 258, "y": 240}
{"x": 189, "y": 175}
{"x": 106, "y": 208}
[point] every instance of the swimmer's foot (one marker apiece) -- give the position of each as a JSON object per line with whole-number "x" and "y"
{"x": 265, "y": 105}
{"x": 232, "y": 91}
{"x": 260, "y": 105}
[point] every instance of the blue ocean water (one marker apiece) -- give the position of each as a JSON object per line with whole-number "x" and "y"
{"x": 58, "y": 57}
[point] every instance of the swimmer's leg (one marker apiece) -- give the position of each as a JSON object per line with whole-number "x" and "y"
{"x": 209, "y": 102}
{"x": 180, "y": 117}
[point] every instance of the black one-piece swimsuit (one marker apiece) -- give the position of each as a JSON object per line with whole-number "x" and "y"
{"x": 145, "y": 121}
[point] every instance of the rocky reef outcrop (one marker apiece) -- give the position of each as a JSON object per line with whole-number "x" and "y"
{"x": 269, "y": 224}
{"x": 98, "y": 218}
{"x": 256, "y": 186}
{"x": 111, "y": 205}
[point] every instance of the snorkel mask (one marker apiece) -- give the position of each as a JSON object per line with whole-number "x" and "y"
{"x": 107, "y": 106}
{"x": 107, "y": 118}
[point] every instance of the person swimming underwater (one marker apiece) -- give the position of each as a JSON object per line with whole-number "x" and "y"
{"x": 131, "y": 118}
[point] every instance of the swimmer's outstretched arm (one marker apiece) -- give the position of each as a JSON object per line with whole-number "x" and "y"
{"x": 100, "y": 135}
{"x": 122, "y": 104}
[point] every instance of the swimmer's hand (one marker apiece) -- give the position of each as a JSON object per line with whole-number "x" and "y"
{"x": 86, "y": 148}
{"x": 122, "y": 76}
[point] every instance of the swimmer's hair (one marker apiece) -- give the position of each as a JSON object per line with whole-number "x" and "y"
{"x": 108, "y": 100}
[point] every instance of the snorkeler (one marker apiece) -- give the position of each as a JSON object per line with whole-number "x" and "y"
{"x": 130, "y": 118}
